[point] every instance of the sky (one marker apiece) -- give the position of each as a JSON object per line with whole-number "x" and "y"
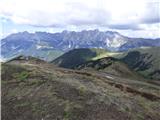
{"x": 133, "y": 18}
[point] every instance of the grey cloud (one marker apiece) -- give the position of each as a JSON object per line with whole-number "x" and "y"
{"x": 152, "y": 14}
{"x": 87, "y": 15}
{"x": 124, "y": 26}
{"x": 94, "y": 17}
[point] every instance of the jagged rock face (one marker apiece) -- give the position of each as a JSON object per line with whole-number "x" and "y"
{"x": 35, "y": 43}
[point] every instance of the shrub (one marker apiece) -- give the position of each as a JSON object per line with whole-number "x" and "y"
{"x": 22, "y": 75}
{"x": 82, "y": 90}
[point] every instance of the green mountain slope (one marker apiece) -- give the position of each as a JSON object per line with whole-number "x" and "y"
{"x": 145, "y": 61}
{"x": 35, "y": 90}
{"x": 79, "y": 56}
{"x": 111, "y": 66}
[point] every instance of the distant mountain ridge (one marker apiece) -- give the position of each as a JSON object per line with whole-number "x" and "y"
{"x": 48, "y": 46}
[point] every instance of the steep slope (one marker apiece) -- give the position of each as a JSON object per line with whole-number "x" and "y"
{"x": 79, "y": 56}
{"x": 34, "y": 90}
{"x": 42, "y": 44}
{"x": 111, "y": 66}
{"x": 146, "y": 61}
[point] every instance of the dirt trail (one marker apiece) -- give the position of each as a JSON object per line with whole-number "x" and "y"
{"x": 122, "y": 87}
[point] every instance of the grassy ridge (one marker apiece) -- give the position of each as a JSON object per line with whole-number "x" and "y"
{"x": 146, "y": 61}
{"x": 34, "y": 90}
{"x": 79, "y": 56}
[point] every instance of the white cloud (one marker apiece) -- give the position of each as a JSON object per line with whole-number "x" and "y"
{"x": 113, "y": 14}
{"x": 66, "y": 12}
{"x": 141, "y": 33}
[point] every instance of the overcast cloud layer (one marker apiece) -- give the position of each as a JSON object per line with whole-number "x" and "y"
{"x": 139, "y": 16}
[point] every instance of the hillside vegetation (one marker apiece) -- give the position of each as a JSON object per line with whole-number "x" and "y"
{"x": 145, "y": 61}
{"x": 79, "y": 56}
{"x": 35, "y": 90}
{"x": 110, "y": 66}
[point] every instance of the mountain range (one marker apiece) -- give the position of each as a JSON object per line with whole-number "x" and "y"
{"x": 49, "y": 46}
